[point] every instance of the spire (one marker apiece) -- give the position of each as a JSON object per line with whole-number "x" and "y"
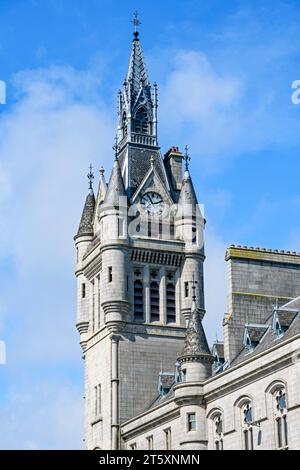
{"x": 87, "y": 217}
{"x": 137, "y": 75}
{"x": 195, "y": 344}
{"x": 116, "y": 188}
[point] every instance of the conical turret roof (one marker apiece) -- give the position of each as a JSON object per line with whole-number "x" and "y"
{"x": 116, "y": 189}
{"x": 195, "y": 343}
{"x": 187, "y": 193}
{"x": 87, "y": 217}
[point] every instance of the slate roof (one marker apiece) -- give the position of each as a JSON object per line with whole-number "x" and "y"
{"x": 87, "y": 217}
{"x": 137, "y": 72}
{"x": 269, "y": 340}
{"x": 285, "y": 317}
{"x": 166, "y": 380}
{"x": 140, "y": 163}
{"x": 256, "y": 332}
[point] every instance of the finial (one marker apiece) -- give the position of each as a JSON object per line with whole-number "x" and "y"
{"x": 136, "y": 22}
{"x": 91, "y": 178}
{"x": 116, "y": 148}
{"x": 152, "y": 161}
{"x": 187, "y": 158}
{"x": 101, "y": 171}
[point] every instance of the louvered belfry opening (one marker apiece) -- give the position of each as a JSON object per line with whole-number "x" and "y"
{"x": 138, "y": 300}
{"x": 154, "y": 301}
{"x": 171, "y": 303}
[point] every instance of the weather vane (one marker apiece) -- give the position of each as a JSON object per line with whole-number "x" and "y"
{"x": 116, "y": 147}
{"x": 187, "y": 158}
{"x": 136, "y": 22}
{"x": 91, "y": 177}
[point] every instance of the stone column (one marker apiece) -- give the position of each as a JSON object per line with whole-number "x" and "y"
{"x": 115, "y": 392}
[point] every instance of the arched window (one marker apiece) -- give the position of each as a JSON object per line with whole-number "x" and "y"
{"x": 154, "y": 301}
{"x": 247, "y": 420}
{"x": 171, "y": 306}
{"x": 280, "y": 411}
{"x": 124, "y": 125}
{"x": 138, "y": 300}
{"x": 141, "y": 123}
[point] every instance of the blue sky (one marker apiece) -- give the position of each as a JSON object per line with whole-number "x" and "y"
{"x": 224, "y": 71}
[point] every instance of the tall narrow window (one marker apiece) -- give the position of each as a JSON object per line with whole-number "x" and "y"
{"x": 186, "y": 289}
{"x": 171, "y": 306}
{"x": 218, "y": 432}
{"x": 154, "y": 301}
{"x": 168, "y": 441}
{"x": 150, "y": 443}
{"x": 138, "y": 300}
{"x": 97, "y": 400}
{"x": 124, "y": 125}
{"x": 149, "y": 227}
{"x": 120, "y": 228}
{"x": 191, "y": 421}
{"x": 281, "y": 419}
{"x": 110, "y": 274}
{"x": 247, "y": 427}
{"x": 83, "y": 291}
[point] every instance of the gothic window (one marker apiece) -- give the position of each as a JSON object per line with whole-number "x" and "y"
{"x": 154, "y": 301}
{"x": 138, "y": 300}
{"x": 247, "y": 426}
{"x": 281, "y": 418}
{"x": 218, "y": 432}
{"x": 141, "y": 124}
{"x": 171, "y": 306}
{"x": 124, "y": 125}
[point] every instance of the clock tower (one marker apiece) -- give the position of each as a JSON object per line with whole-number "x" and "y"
{"x": 139, "y": 243}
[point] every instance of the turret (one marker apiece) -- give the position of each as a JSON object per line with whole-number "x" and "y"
{"x": 83, "y": 239}
{"x": 189, "y": 227}
{"x": 196, "y": 366}
{"x": 196, "y": 359}
{"x": 114, "y": 248}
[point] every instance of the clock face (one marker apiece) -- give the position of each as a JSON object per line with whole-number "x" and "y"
{"x": 153, "y": 203}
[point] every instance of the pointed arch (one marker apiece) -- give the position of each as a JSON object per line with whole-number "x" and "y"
{"x": 141, "y": 121}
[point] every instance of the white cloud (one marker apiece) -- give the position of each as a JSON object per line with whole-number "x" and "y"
{"x": 57, "y": 126}
{"x": 223, "y": 115}
{"x": 42, "y": 415}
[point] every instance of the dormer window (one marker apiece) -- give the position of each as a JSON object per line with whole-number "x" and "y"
{"x": 282, "y": 319}
{"x": 253, "y": 335}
